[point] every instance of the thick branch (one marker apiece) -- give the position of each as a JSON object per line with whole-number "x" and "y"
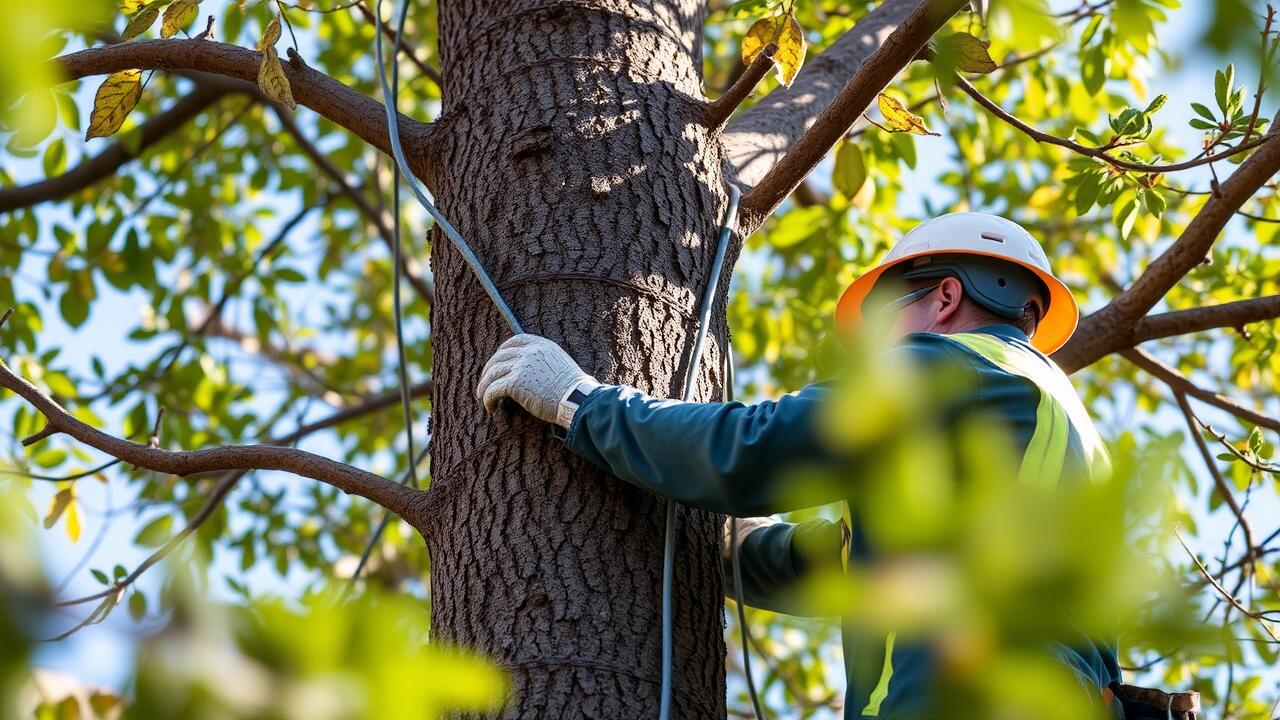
{"x": 1093, "y": 152}
{"x": 109, "y": 161}
{"x": 1232, "y": 315}
{"x": 758, "y": 138}
{"x": 899, "y": 49}
{"x": 422, "y": 285}
{"x": 719, "y": 110}
{"x": 1107, "y": 330}
{"x": 399, "y": 499}
{"x": 1180, "y": 383}
{"x": 353, "y": 110}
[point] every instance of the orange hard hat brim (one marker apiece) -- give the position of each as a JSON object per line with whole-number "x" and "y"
{"x": 1053, "y": 331}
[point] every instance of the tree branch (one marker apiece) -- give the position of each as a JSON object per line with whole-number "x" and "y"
{"x": 719, "y": 110}
{"x": 1106, "y": 330}
{"x": 422, "y": 285}
{"x": 405, "y": 48}
{"x": 1180, "y": 383}
{"x": 1181, "y": 322}
{"x": 899, "y": 49}
{"x": 399, "y": 499}
{"x": 224, "y": 487}
{"x": 350, "y": 109}
{"x": 758, "y": 138}
{"x": 1219, "y": 482}
{"x": 114, "y": 157}
{"x": 1097, "y": 153}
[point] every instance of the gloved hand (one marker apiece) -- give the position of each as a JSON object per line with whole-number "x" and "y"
{"x": 538, "y": 375}
{"x": 746, "y": 526}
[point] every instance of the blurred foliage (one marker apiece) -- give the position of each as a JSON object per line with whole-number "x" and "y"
{"x": 111, "y": 284}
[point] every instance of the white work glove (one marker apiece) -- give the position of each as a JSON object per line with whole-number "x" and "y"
{"x": 746, "y": 526}
{"x": 538, "y": 375}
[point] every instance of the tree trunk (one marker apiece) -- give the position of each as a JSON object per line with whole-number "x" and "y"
{"x": 570, "y": 156}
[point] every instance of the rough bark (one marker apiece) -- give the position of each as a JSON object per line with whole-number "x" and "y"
{"x": 572, "y": 158}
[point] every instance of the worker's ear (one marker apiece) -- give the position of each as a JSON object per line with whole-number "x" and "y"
{"x": 950, "y": 293}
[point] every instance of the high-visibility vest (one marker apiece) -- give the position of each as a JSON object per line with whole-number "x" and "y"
{"x": 1058, "y": 411}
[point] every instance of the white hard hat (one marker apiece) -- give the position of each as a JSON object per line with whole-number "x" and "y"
{"x": 973, "y": 233}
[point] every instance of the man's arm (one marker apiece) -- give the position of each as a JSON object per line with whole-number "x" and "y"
{"x": 775, "y": 557}
{"x": 723, "y": 457}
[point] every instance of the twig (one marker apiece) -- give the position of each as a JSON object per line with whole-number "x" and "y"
{"x": 149, "y": 133}
{"x": 339, "y": 103}
{"x": 719, "y": 110}
{"x": 229, "y": 481}
{"x": 403, "y": 501}
{"x": 408, "y": 51}
{"x": 1093, "y": 152}
{"x": 1259, "y": 617}
{"x": 1263, "y": 65}
{"x": 421, "y": 283}
{"x": 1179, "y": 382}
{"x": 899, "y": 49}
{"x": 1220, "y": 482}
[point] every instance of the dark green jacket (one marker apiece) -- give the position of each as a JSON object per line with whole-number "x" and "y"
{"x": 728, "y": 457}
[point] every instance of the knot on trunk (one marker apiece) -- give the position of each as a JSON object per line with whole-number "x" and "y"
{"x": 532, "y": 141}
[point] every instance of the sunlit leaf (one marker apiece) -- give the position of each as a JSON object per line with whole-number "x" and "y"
{"x": 899, "y": 119}
{"x": 272, "y": 80}
{"x": 177, "y": 16}
{"x": 115, "y": 99}
{"x": 142, "y": 21}
{"x": 270, "y": 34}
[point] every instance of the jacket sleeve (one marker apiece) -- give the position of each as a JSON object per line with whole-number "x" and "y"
{"x": 723, "y": 457}
{"x": 774, "y": 560}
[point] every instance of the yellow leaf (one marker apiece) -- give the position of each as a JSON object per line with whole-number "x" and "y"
{"x": 177, "y": 16}
{"x": 56, "y": 507}
{"x": 73, "y": 520}
{"x": 130, "y": 6}
{"x": 270, "y": 34}
{"x": 899, "y": 119}
{"x": 791, "y": 48}
{"x": 786, "y": 33}
{"x": 140, "y": 22}
{"x": 272, "y": 80}
{"x": 761, "y": 33}
{"x": 116, "y": 98}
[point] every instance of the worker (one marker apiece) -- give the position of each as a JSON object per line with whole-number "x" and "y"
{"x": 973, "y": 294}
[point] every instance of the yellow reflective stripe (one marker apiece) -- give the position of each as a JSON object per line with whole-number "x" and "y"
{"x": 846, "y": 535}
{"x": 1046, "y": 453}
{"x": 882, "y": 688}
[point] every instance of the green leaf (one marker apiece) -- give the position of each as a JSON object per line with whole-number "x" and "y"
{"x": 850, "y": 169}
{"x": 1087, "y": 193}
{"x": 100, "y": 576}
{"x": 137, "y": 606}
{"x": 74, "y": 308}
{"x": 968, "y": 53}
{"x": 1093, "y": 67}
{"x": 142, "y": 21}
{"x": 1203, "y": 112}
{"x": 155, "y": 533}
